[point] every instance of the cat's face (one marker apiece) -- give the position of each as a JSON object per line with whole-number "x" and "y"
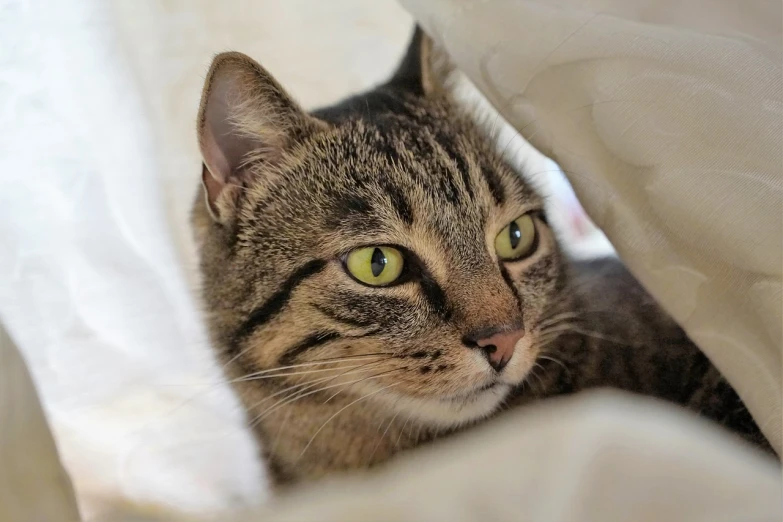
{"x": 379, "y": 249}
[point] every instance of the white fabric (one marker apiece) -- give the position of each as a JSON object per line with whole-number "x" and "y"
{"x": 667, "y": 117}
{"x": 91, "y": 287}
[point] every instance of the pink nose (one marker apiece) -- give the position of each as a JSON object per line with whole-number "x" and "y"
{"x": 499, "y": 347}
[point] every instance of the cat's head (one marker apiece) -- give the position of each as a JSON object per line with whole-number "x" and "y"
{"x": 379, "y": 248}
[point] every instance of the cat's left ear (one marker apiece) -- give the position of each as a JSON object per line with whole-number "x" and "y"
{"x": 425, "y": 69}
{"x": 245, "y": 118}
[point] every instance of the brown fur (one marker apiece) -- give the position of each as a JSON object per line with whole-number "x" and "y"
{"x": 337, "y": 375}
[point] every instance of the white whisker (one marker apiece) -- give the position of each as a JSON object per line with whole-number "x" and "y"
{"x": 383, "y": 436}
{"x": 363, "y": 397}
{"x": 556, "y": 361}
{"x": 310, "y": 363}
{"x": 402, "y": 430}
{"x": 289, "y": 374}
{"x": 289, "y": 400}
{"x": 310, "y": 384}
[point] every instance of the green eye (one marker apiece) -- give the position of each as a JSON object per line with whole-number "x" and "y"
{"x": 517, "y": 240}
{"x": 375, "y": 265}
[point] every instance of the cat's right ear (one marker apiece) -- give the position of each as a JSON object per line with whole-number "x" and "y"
{"x": 246, "y": 122}
{"x": 425, "y": 70}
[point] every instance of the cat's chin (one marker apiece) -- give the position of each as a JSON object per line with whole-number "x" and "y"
{"x": 449, "y": 412}
{"x": 452, "y": 411}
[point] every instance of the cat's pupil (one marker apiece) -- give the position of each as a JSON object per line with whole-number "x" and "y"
{"x": 515, "y": 234}
{"x": 377, "y": 262}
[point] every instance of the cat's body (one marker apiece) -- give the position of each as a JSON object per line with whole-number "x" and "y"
{"x": 620, "y": 337}
{"x": 376, "y": 276}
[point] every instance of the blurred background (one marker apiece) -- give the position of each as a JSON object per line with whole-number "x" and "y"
{"x": 100, "y": 165}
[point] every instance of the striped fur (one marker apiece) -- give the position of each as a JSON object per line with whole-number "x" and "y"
{"x": 336, "y": 375}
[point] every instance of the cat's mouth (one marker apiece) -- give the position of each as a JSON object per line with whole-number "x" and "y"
{"x": 454, "y": 409}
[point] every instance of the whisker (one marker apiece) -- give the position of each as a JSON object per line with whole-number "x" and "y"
{"x": 233, "y": 359}
{"x": 417, "y": 438}
{"x": 538, "y": 377}
{"x": 402, "y": 430}
{"x": 383, "y": 436}
{"x": 289, "y": 374}
{"x": 599, "y": 335}
{"x": 370, "y": 377}
{"x": 289, "y": 400}
{"x": 306, "y": 386}
{"x": 550, "y": 335}
{"x": 562, "y": 316}
{"x": 363, "y": 397}
{"x": 557, "y": 328}
{"x": 317, "y": 362}
{"x": 548, "y": 342}
{"x": 280, "y": 432}
{"x": 556, "y": 361}
{"x": 269, "y": 373}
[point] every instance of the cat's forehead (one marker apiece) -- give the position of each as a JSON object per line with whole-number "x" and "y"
{"x": 377, "y": 176}
{"x": 422, "y": 150}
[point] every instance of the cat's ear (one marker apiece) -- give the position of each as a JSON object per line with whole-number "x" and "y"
{"x": 244, "y": 117}
{"x": 425, "y": 69}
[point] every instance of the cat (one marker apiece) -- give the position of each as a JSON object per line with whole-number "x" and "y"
{"x": 376, "y": 276}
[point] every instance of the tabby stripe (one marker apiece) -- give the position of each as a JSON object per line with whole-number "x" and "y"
{"x": 350, "y": 321}
{"x": 461, "y": 164}
{"x": 274, "y": 304}
{"x": 511, "y": 285}
{"x": 311, "y": 341}
{"x": 495, "y": 184}
{"x": 466, "y": 181}
{"x": 399, "y": 202}
{"x": 449, "y": 188}
{"x": 435, "y": 296}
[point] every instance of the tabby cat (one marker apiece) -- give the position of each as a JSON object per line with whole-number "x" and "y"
{"x": 375, "y": 276}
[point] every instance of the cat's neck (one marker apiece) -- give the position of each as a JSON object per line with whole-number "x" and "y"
{"x": 317, "y": 435}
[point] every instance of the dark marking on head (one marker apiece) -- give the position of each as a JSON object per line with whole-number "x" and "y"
{"x": 399, "y": 202}
{"x": 311, "y": 341}
{"x": 543, "y": 269}
{"x": 460, "y": 163}
{"x": 435, "y": 296}
{"x": 425, "y": 369}
{"x": 495, "y": 184}
{"x": 511, "y": 285}
{"x": 274, "y": 304}
{"x": 371, "y": 309}
{"x": 341, "y": 317}
{"x": 355, "y": 205}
